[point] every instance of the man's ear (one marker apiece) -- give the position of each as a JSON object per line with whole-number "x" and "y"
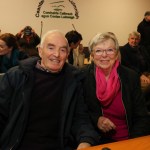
{"x": 40, "y": 51}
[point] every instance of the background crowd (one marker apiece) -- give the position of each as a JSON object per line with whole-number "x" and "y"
{"x": 51, "y": 99}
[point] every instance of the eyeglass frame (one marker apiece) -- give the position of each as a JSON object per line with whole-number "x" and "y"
{"x": 99, "y": 52}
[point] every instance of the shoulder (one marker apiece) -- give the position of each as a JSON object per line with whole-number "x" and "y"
{"x": 127, "y": 73}
{"x": 124, "y": 47}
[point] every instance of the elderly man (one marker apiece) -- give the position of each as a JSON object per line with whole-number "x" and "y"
{"x": 136, "y": 58}
{"x": 41, "y": 102}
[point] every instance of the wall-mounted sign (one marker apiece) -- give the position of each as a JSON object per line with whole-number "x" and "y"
{"x": 57, "y": 9}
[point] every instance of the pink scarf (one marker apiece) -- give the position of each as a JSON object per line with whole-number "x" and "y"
{"x": 107, "y": 90}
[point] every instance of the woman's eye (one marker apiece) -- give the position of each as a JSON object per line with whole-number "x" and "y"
{"x": 110, "y": 50}
{"x": 97, "y": 51}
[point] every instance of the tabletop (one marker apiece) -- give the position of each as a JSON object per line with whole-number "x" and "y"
{"x": 140, "y": 143}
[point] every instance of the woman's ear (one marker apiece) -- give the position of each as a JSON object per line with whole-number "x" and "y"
{"x": 118, "y": 56}
{"x": 92, "y": 54}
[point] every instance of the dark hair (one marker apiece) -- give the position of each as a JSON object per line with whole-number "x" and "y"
{"x": 147, "y": 13}
{"x": 9, "y": 39}
{"x": 73, "y": 37}
{"x": 27, "y": 30}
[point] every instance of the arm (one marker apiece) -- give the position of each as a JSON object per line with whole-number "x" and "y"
{"x": 19, "y": 34}
{"x": 82, "y": 127}
{"x": 138, "y": 112}
{"x": 5, "y": 95}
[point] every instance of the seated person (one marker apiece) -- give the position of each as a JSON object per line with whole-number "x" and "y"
{"x": 136, "y": 57}
{"x": 9, "y": 52}
{"x": 132, "y": 56}
{"x": 41, "y": 102}
{"x": 74, "y": 39}
{"x": 28, "y": 41}
{"x": 112, "y": 93}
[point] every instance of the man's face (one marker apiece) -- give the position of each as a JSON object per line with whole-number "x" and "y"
{"x": 133, "y": 40}
{"x": 54, "y": 52}
{"x": 147, "y": 18}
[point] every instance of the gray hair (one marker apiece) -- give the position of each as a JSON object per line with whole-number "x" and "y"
{"x": 100, "y": 37}
{"x": 147, "y": 13}
{"x": 51, "y": 32}
{"x": 135, "y": 33}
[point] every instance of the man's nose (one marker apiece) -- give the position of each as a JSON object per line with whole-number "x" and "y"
{"x": 57, "y": 52}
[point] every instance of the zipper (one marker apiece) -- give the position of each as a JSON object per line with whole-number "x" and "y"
{"x": 12, "y": 147}
{"x": 124, "y": 107}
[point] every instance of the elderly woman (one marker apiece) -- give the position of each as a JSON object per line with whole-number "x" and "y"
{"x": 112, "y": 93}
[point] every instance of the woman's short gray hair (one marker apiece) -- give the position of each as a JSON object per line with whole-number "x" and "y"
{"x": 100, "y": 37}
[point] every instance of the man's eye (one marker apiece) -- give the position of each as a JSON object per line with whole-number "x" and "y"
{"x": 63, "y": 50}
{"x": 51, "y": 48}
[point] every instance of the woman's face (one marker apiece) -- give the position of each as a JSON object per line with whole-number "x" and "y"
{"x": 4, "y": 49}
{"x": 104, "y": 54}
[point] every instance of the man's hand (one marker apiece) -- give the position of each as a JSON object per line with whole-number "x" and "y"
{"x": 83, "y": 145}
{"x": 144, "y": 79}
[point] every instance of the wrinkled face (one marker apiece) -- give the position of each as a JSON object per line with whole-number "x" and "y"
{"x": 133, "y": 40}
{"x": 54, "y": 52}
{"x": 147, "y": 18}
{"x": 104, "y": 54}
{"x": 4, "y": 49}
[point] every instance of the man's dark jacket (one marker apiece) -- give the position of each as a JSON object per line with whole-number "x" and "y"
{"x": 15, "y": 95}
{"x": 135, "y": 58}
{"x": 144, "y": 29}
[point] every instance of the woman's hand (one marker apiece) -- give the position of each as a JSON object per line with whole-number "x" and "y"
{"x": 105, "y": 124}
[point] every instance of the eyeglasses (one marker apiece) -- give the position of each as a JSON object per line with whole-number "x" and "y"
{"x": 109, "y": 51}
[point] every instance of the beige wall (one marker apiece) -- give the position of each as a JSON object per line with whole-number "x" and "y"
{"x": 118, "y": 16}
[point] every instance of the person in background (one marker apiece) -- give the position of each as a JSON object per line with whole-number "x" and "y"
{"x": 41, "y": 102}
{"x": 79, "y": 56}
{"x": 135, "y": 56}
{"x": 74, "y": 39}
{"x": 28, "y": 41}
{"x": 132, "y": 56}
{"x": 144, "y": 29}
{"x": 112, "y": 93}
{"x": 10, "y": 55}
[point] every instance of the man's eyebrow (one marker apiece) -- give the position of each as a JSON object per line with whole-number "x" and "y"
{"x": 64, "y": 46}
{"x": 50, "y": 44}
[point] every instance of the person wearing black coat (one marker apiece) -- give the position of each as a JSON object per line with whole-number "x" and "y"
{"x": 144, "y": 29}
{"x": 113, "y": 94}
{"x": 135, "y": 56}
{"x": 41, "y": 102}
